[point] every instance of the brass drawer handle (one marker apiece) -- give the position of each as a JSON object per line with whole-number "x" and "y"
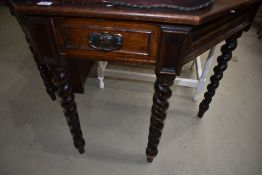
{"x": 105, "y": 41}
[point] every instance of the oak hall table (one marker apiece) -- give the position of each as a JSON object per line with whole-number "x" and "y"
{"x": 65, "y": 32}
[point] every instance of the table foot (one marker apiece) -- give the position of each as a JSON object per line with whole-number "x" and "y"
{"x": 159, "y": 108}
{"x": 150, "y": 158}
{"x": 81, "y": 150}
{"x": 222, "y": 60}
{"x": 201, "y": 113}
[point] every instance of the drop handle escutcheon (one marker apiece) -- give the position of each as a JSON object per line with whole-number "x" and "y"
{"x": 105, "y": 41}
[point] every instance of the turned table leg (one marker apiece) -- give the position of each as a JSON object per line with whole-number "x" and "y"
{"x": 222, "y": 60}
{"x": 47, "y": 79}
{"x": 159, "y": 108}
{"x": 64, "y": 91}
{"x": 45, "y": 74}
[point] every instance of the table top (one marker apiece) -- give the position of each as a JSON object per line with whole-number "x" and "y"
{"x": 93, "y": 8}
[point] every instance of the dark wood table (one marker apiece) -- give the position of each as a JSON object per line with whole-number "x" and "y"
{"x": 65, "y": 36}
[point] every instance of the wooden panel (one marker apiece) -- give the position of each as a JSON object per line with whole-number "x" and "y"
{"x": 174, "y": 42}
{"x": 41, "y": 36}
{"x": 140, "y": 40}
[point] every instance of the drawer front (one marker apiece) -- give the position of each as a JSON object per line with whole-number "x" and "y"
{"x": 108, "y": 40}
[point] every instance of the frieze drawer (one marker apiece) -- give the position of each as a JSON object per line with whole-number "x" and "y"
{"x": 120, "y": 40}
